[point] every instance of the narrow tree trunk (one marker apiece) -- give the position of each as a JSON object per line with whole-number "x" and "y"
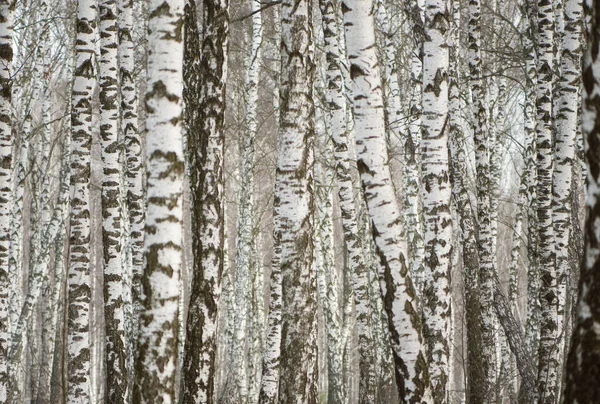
{"x": 205, "y": 134}
{"x": 156, "y": 361}
{"x": 548, "y": 363}
{"x": 133, "y": 160}
{"x": 245, "y": 262}
{"x": 582, "y": 367}
{"x": 336, "y": 107}
{"x": 294, "y": 206}
{"x": 566, "y": 123}
{"x": 396, "y": 285}
{"x": 112, "y": 226}
{"x": 468, "y": 235}
{"x": 482, "y": 144}
{"x": 437, "y": 218}
{"x": 6, "y": 55}
{"x": 79, "y": 280}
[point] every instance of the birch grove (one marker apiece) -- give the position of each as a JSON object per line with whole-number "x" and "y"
{"x": 349, "y": 201}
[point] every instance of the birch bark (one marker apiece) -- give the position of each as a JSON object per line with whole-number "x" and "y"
{"x": 156, "y": 361}
{"x": 482, "y": 144}
{"x": 396, "y": 285}
{"x": 117, "y": 382}
{"x": 437, "y": 218}
{"x": 79, "y": 280}
{"x": 340, "y": 135}
{"x": 6, "y": 55}
{"x": 566, "y": 123}
{"x": 245, "y": 262}
{"x": 205, "y": 138}
{"x": 294, "y": 206}
{"x": 582, "y": 371}
{"x": 548, "y": 362}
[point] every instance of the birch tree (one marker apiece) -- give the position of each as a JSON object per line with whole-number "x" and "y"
{"x": 156, "y": 361}
{"x": 340, "y": 134}
{"x": 112, "y": 223}
{"x": 548, "y": 361}
{"x": 436, "y": 196}
{"x": 246, "y": 260}
{"x": 79, "y": 281}
{"x": 482, "y": 142}
{"x": 205, "y": 153}
{"x": 128, "y": 123}
{"x": 566, "y": 122}
{"x": 372, "y": 160}
{"x": 582, "y": 374}
{"x": 294, "y": 206}
{"x": 6, "y": 54}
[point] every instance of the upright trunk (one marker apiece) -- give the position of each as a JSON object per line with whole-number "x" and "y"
{"x": 327, "y": 279}
{"x": 133, "y": 159}
{"x": 294, "y": 206}
{"x": 476, "y": 391}
{"x": 436, "y": 197}
{"x": 548, "y": 362}
{"x": 112, "y": 226}
{"x": 245, "y": 261}
{"x": 79, "y": 279}
{"x": 412, "y": 149}
{"x": 566, "y": 123}
{"x": 156, "y": 361}
{"x": 482, "y": 144}
{"x": 6, "y": 54}
{"x": 205, "y": 136}
{"x": 582, "y": 366}
{"x": 340, "y": 134}
{"x": 396, "y": 285}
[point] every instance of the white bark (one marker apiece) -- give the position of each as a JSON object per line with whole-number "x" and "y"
{"x": 79, "y": 282}
{"x": 566, "y": 123}
{"x": 156, "y": 362}
{"x": 436, "y": 197}
{"x": 396, "y": 285}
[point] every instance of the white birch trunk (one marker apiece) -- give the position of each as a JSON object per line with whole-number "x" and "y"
{"x": 6, "y": 55}
{"x": 156, "y": 362}
{"x": 436, "y": 197}
{"x": 548, "y": 364}
{"x": 396, "y": 285}
{"x": 566, "y": 123}
{"x": 117, "y": 382}
{"x": 294, "y": 206}
{"x": 79, "y": 280}
{"x": 205, "y": 143}
{"x": 581, "y": 381}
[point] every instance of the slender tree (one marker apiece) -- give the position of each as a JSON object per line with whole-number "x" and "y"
{"x": 6, "y": 55}
{"x": 79, "y": 282}
{"x": 335, "y": 96}
{"x": 112, "y": 201}
{"x": 548, "y": 361}
{"x": 436, "y": 197}
{"x": 582, "y": 366}
{"x": 294, "y": 206}
{"x": 566, "y": 122}
{"x": 205, "y": 139}
{"x": 397, "y": 290}
{"x": 156, "y": 361}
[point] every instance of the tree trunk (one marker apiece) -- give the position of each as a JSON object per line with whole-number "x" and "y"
{"x": 582, "y": 367}
{"x": 79, "y": 279}
{"x": 294, "y": 206}
{"x": 205, "y": 135}
{"x": 548, "y": 362}
{"x": 396, "y": 285}
{"x": 156, "y": 361}
{"x": 437, "y": 218}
